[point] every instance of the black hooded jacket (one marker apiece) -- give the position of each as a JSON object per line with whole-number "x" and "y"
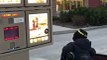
{"x": 82, "y": 43}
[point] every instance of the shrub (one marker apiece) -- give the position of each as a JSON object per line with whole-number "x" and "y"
{"x": 97, "y": 16}
{"x": 55, "y": 18}
{"x": 79, "y": 17}
{"x": 91, "y": 16}
{"x": 80, "y": 11}
{"x": 65, "y": 16}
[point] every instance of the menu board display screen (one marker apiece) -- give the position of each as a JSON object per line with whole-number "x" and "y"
{"x": 38, "y": 27}
{"x": 11, "y": 33}
{"x": 10, "y": 1}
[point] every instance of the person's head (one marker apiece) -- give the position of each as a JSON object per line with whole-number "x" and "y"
{"x": 80, "y": 33}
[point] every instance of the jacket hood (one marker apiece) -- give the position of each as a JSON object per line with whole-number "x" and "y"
{"x": 83, "y": 43}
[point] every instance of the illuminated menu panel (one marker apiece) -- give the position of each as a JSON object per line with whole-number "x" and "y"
{"x": 10, "y": 1}
{"x": 38, "y": 26}
{"x": 37, "y": 1}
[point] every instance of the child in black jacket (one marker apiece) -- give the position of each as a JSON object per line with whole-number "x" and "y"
{"x": 80, "y": 40}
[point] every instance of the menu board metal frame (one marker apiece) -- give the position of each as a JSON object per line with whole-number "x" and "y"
{"x": 49, "y": 41}
{"x": 12, "y": 20}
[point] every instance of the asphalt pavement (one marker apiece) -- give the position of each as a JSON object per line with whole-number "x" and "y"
{"x": 63, "y": 35}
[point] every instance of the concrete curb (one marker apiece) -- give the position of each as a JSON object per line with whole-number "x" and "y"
{"x": 71, "y": 31}
{"x": 37, "y": 59}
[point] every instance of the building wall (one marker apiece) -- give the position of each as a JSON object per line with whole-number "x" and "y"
{"x": 60, "y": 4}
{"x": 94, "y": 3}
{"x": 69, "y": 4}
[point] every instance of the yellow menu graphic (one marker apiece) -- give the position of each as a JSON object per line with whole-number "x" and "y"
{"x": 10, "y": 1}
{"x": 37, "y": 1}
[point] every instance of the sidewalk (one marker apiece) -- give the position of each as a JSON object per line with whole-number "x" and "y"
{"x": 63, "y": 30}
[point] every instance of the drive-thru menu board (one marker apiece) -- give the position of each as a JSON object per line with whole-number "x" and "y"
{"x": 22, "y": 28}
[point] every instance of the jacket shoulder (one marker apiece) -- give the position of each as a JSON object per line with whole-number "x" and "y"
{"x": 68, "y": 47}
{"x": 93, "y": 52}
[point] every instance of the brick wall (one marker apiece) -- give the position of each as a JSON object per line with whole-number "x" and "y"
{"x": 94, "y": 3}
